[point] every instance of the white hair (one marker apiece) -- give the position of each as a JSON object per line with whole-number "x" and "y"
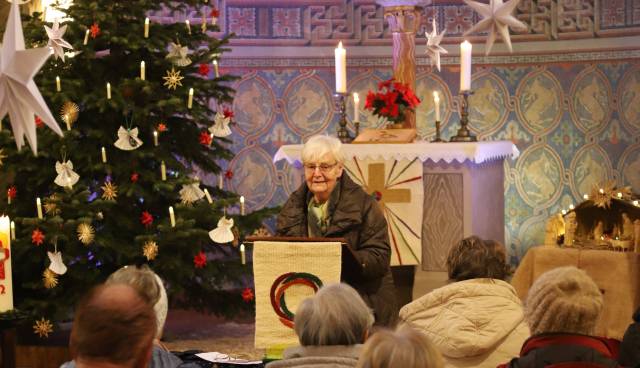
{"x": 321, "y": 145}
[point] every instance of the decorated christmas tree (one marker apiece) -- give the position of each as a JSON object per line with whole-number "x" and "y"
{"x": 143, "y": 112}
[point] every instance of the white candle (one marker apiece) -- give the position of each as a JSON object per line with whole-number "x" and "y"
{"x": 163, "y": 171}
{"x": 108, "y": 91}
{"x": 13, "y": 230}
{"x": 341, "y": 69}
{"x": 104, "y": 155}
{"x": 143, "y": 73}
{"x": 155, "y": 138}
{"x": 465, "y": 66}
{"x": 436, "y": 103}
{"x": 188, "y": 26}
{"x": 585, "y": 197}
{"x": 39, "y": 207}
{"x": 206, "y": 194}
{"x": 241, "y": 205}
{"x": 6, "y": 282}
{"x": 58, "y": 86}
{"x": 190, "y": 102}
{"x": 172, "y": 217}
{"x": 356, "y": 107}
{"x": 86, "y": 38}
{"x": 215, "y": 68}
{"x": 243, "y": 257}
{"x": 146, "y": 27}
{"x": 220, "y": 181}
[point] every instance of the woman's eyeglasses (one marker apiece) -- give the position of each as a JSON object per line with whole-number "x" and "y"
{"x": 324, "y": 168}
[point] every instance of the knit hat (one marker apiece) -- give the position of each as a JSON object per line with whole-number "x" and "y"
{"x": 564, "y": 299}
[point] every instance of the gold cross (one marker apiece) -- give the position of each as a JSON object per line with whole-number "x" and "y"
{"x": 376, "y": 183}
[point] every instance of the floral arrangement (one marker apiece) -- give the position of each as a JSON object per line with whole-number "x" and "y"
{"x": 392, "y": 101}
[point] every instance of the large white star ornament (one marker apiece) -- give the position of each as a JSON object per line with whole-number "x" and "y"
{"x": 55, "y": 40}
{"x": 19, "y": 95}
{"x": 496, "y": 17}
{"x": 433, "y": 45}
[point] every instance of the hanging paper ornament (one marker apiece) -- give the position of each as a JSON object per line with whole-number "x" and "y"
{"x": 162, "y": 127}
{"x": 134, "y": 177}
{"x": 66, "y": 176}
{"x": 200, "y": 260}
{"x": 55, "y": 40}
{"x": 128, "y": 139}
{"x": 43, "y": 327}
{"x": 433, "y": 45}
{"x": 173, "y": 79}
{"x": 205, "y": 138}
{"x": 51, "y": 205}
{"x": 222, "y": 233}
{"x": 496, "y": 18}
{"x": 37, "y": 237}
{"x": 191, "y": 193}
{"x": 178, "y": 54}
{"x": 204, "y": 69}
{"x": 86, "y": 233}
{"x": 150, "y": 250}
{"x": 49, "y": 279}
{"x": 146, "y": 218}
{"x": 69, "y": 112}
{"x": 220, "y": 127}
{"x": 247, "y": 295}
{"x": 57, "y": 265}
{"x": 95, "y": 30}
{"x": 109, "y": 191}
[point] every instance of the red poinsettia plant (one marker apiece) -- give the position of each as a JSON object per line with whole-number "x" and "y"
{"x": 392, "y": 101}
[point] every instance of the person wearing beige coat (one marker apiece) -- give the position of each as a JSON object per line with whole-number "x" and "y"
{"x": 477, "y": 320}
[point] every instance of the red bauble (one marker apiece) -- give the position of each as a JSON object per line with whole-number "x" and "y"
{"x": 200, "y": 260}
{"x": 37, "y": 237}
{"x": 205, "y": 138}
{"x": 204, "y": 69}
{"x": 146, "y": 218}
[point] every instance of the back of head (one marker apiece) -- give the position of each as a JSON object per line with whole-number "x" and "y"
{"x": 564, "y": 299}
{"x": 113, "y": 324}
{"x": 320, "y": 145}
{"x": 405, "y": 347}
{"x": 335, "y": 315}
{"x": 148, "y": 285}
{"x": 474, "y": 258}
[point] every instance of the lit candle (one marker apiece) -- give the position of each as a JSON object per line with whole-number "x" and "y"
{"x": 465, "y": 66}
{"x": 39, "y": 207}
{"x": 13, "y": 230}
{"x": 571, "y": 207}
{"x": 220, "y": 182}
{"x": 86, "y": 38}
{"x": 58, "y": 86}
{"x": 436, "y": 103}
{"x": 356, "y": 107}
{"x": 619, "y": 195}
{"x": 108, "y": 91}
{"x": 206, "y": 194}
{"x": 142, "y": 70}
{"x": 243, "y": 257}
{"x": 241, "y": 205}
{"x": 341, "y": 69}
{"x": 104, "y": 155}
{"x": 188, "y": 26}
{"x": 6, "y": 297}
{"x": 636, "y": 203}
{"x": 585, "y": 197}
{"x": 146, "y": 27}
{"x": 163, "y": 171}
{"x": 190, "y": 102}
{"x": 155, "y": 138}
{"x": 172, "y": 217}
{"x": 601, "y": 191}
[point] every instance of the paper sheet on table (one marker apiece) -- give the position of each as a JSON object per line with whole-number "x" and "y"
{"x": 215, "y": 357}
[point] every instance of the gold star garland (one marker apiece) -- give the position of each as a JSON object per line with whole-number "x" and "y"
{"x": 109, "y": 191}
{"x": 86, "y": 233}
{"x": 43, "y": 327}
{"x": 173, "y": 79}
{"x": 150, "y": 250}
{"x": 49, "y": 279}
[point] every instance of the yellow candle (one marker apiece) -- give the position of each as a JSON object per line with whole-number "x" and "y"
{"x": 243, "y": 257}
{"x": 356, "y": 107}
{"x": 203, "y": 26}
{"x": 188, "y": 26}
{"x": 108, "y": 91}
{"x": 58, "y": 86}
{"x": 155, "y": 138}
{"x": 39, "y": 207}
{"x": 220, "y": 181}
{"x": 465, "y": 66}
{"x": 86, "y": 38}
{"x": 163, "y": 171}
{"x": 436, "y": 103}
{"x": 190, "y": 102}
{"x": 142, "y": 70}
{"x": 241, "y": 205}
{"x": 215, "y": 68}
{"x": 146, "y": 27}
{"x": 13, "y": 230}
{"x": 172, "y": 217}
{"x": 6, "y": 283}
{"x": 341, "y": 68}
{"x": 104, "y": 155}
{"x": 206, "y": 194}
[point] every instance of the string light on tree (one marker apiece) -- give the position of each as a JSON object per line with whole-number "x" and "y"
{"x": 143, "y": 73}
{"x": 188, "y": 23}
{"x": 190, "y": 100}
{"x": 146, "y": 27}
{"x": 39, "y": 208}
{"x": 58, "y": 86}
{"x": 86, "y": 37}
{"x": 108, "y": 91}
{"x": 172, "y": 217}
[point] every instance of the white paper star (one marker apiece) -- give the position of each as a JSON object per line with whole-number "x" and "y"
{"x": 496, "y": 17}
{"x": 19, "y": 95}
{"x": 55, "y": 39}
{"x": 433, "y": 45}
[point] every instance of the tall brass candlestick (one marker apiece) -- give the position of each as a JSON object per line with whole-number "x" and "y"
{"x": 343, "y": 133}
{"x": 464, "y": 135}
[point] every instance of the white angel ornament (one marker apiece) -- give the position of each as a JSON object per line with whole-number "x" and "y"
{"x": 222, "y": 233}
{"x": 220, "y": 127}
{"x": 66, "y": 176}
{"x": 191, "y": 193}
{"x": 178, "y": 54}
{"x": 57, "y": 266}
{"x": 128, "y": 139}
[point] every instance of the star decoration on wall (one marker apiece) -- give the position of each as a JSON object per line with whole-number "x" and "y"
{"x": 150, "y": 250}
{"x": 496, "y": 18}
{"x": 109, "y": 191}
{"x": 433, "y": 45}
{"x": 55, "y": 40}
{"x": 49, "y": 279}
{"x": 173, "y": 79}
{"x": 86, "y": 233}
{"x": 43, "y": 327}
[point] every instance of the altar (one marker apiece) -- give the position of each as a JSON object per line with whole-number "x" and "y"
{"x": 432, "y": 194}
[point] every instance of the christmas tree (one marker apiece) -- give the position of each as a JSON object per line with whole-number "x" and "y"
{"x": 143, "y": 110}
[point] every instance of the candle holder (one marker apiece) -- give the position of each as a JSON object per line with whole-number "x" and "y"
{"x": 464, "y": 135}
{"x": 343, "y": 133}
{"x": 356, "y": 125}
{"x": 437, "y": 138}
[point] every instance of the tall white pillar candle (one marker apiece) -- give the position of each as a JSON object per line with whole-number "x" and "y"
{"x": 341, "y": 69}
{"x": 465, "y": 66}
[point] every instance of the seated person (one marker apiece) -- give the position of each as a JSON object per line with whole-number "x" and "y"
{"x": 331, "y": 326}
{"x": 477, "y": 320}
{"x": 404, "y": 348}
{"x": 331, "y": 204}
{"x": 113, "y": 327}
{"x": 562, "y": 308}
{"x": 630, "y": 347}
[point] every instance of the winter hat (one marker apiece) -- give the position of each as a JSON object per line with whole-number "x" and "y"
{"x": 564, "y": 299}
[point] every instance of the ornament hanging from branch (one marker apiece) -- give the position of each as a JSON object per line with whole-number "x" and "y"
{"x": 86, "y": 233}
{"x": 178, "y": 54}
{"x": 57, "y": 266}
{"x": 109, "y": 191}
{"x": 200, "y": 260}
{"x": 191, "y": 193}
{"x": 37, "y": 237}
{"x": 66, "y": 176}
{"x": 173, "y": 79}
{"x": 69, "y": 113}
{"x": 49, "y": 279}
{"x": 496, "y": 18}
{"x": 222, "y": 233}
{"x": 220, "y": 127}
{"x": 51, "y": 205}
{"x": 150, "y": 250}
{"x": 55, "y": 40}
{"x": 43, "y": 327}
{"x": 128, "y": 139}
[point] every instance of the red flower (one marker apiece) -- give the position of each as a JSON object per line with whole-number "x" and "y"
{"x": 204, "y": 69}
{"x": 228, "y": 174}
{"x": 134, "y": 177}
{"x": 146, "y": 219}
{"x": 215, "y": 13}
{"x": 247, "y": 295}
{"x": 39, "y": 122}
{"x": 228, "y": 113}
{"x": 391, "y": 101}
{"x": 12, "y": 192}
{"x": 161, "y": 127}
{"x": 200, "y": 260}
{"x": 37, "y": 237}
{"x": 205, "y": 138}
{"x": 368, "y": 103}
{"x": 95, "y": 30}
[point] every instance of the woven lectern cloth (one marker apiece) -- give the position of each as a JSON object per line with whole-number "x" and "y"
{"x": 271, "y": 260}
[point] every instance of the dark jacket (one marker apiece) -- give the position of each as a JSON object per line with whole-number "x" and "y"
{"x": 357, "y": 217}
{"x": 565, "y": 350}
{"x": 630, "y": 347}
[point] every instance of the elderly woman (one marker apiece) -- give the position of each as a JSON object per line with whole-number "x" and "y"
{"x": 331, "y": 326}
{"x": 477, "y": 320}
{"x": 330, "y": 204}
